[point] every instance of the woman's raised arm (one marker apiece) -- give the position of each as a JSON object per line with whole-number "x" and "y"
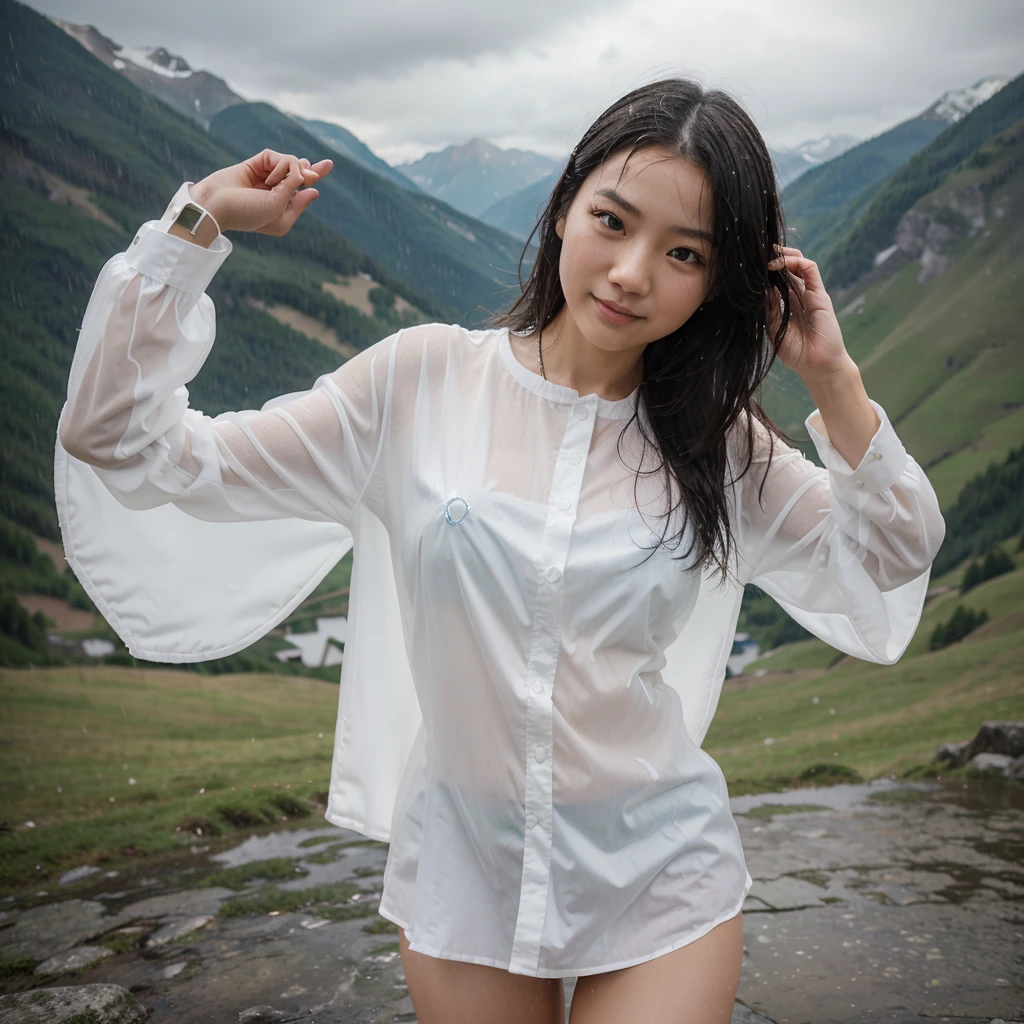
{"x": 147, "y": 330}
{"x": 845, "y": 550}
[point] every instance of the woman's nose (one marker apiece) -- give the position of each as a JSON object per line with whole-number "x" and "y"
{"x": 630, "y": 271}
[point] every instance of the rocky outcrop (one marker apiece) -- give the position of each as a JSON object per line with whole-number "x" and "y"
{"x": 997, "y": 747}
{"x": 930, "y": 230}
{"x": 99, "y": 1004}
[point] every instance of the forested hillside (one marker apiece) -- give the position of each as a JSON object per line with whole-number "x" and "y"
{"x": 936, "y": 327}
{"x": 936, "y": 331}
{"x": 447, "y": 254}
{"x": 853, "y": 252}
{"x": 85, "y": 157}
{"x": 825, "y": 199}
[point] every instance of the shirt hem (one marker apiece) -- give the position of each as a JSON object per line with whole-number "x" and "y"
{"x": 568, "y": 972}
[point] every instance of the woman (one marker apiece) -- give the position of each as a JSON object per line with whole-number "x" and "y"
{"x": 555, "y": 815}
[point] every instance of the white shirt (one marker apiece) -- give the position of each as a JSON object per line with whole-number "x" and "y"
{"x": 524, "y": 692}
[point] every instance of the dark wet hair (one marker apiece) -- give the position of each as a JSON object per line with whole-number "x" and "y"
{"x": 702, "y": 379}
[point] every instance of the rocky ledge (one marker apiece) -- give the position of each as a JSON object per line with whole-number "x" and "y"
{"x": 996, "y": 748}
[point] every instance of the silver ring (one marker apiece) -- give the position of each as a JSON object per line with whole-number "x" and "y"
{"x": 447, "y": 510}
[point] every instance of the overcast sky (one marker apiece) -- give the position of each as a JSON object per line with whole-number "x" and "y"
{"x": 408, "y": 76}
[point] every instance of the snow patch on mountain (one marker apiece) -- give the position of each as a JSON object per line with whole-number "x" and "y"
{"x": 156, "y": 59}
{"x": 953, "y": 105}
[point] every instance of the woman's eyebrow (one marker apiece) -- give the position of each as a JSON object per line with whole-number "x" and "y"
{"x": 610, "y": 193}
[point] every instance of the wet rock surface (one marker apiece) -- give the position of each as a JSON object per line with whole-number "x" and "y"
{"x": 71, "y": 1004}
{"x": 871, "y": 903}
{"x": 889, "y": 903}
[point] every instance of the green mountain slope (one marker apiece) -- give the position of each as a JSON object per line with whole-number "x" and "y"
{"x": 434, "y": 247}
{"x": 830, "y": 194}
{"x": 518, "y": 213}
{"x": 936, "y": 332}
{"x": 853, "y": 253}
{"x": 343, "y": 141}
{"x": 936, "y": 328}
{"x": 86, "y": 157}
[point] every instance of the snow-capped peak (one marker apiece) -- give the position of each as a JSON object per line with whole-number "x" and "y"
{"x": 155, "y": 59}
{"x": 953, "y": 105}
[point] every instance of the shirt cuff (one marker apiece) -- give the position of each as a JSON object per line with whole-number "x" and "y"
{"x": 172, "y": 260}
{"x": 883, "y": 462}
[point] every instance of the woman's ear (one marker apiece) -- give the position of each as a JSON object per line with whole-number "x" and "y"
{"x": 560, "y": 228}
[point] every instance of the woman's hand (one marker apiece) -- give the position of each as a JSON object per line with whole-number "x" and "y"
{"x": 813, "y": 343}
{"x": 262, "y": 193}
{"x": 813, "y": 347}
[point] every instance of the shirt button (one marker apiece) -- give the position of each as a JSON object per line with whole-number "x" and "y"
{"x": 554, "y": 574}
{"x": 537, "y": 686}
{"x": 575, "y": 458}
{"x": 859, "y": 483}
{"x": 540, "y": 753}
{"x": 564, "y": 504}
{"x": 580, "y": 412}
{"x": 878, "y": 455}
{"x": 531, "y": 821}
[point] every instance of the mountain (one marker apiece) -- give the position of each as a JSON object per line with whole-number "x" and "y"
{"x": 935, "y": 325}
{"x": 85, "y": 157}
{"x": 201, "y": 95}
{"x": 474, "y": 176}
{"x": 341, "y": 140}
{"x": 822, "y": 202}
{"x": 438, "y": 250}
{"x": 790, "y": 164}
{"x": 953, "y": 105}
{"x": 518, "y": 213}
{"x": 856, "y": 246}
{"x": 935, "y": 330}
{"x": 196, "y": 94}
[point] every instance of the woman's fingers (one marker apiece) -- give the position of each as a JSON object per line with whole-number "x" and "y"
{"x": 287, "y": 165}
{"x": 322, "y": 167}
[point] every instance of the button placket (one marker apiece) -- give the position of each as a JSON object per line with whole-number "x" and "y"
{"x": 544, "y": 649}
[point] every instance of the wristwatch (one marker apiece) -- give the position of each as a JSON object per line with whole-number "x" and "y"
{"x": 185, "y": 212}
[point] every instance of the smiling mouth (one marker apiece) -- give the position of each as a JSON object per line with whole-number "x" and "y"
{"x": 609, "y": 312}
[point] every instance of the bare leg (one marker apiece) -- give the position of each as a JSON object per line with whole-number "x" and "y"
{"x": 454, "y": 992}
{"x": 695, "y": 984}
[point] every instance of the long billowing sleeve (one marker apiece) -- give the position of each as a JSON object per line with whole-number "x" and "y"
{"x": 846, "y": 551}
{"x": 147, "y": 330}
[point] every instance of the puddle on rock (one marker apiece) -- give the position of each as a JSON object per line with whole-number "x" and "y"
{"x": 885, "y": 902}
{"x": 897, "y": 902}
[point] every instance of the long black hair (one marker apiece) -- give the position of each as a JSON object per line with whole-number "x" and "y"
{"x": 703, "y": 378}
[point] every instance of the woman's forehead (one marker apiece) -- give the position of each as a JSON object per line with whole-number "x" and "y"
{"x": 656, "y": 182}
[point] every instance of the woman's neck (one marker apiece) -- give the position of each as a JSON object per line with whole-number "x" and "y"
{"x": 571, "y": 360}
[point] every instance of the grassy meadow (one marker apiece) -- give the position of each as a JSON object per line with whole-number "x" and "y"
{"x": 223, "y": 756}
{"x": 110, "y": 763}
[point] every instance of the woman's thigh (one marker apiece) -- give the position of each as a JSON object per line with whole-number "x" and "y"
{"x": 695, "y": 984}
{"x": 454, "y": 992}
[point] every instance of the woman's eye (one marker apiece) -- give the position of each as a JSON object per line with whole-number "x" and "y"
{"x": 604, "y": 213}
{"x": 691, "y": 252}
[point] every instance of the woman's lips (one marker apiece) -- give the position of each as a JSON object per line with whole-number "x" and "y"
{"x": 613, "y": 315}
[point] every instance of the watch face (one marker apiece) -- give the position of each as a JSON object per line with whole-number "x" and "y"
{"x": 189, "y": 216}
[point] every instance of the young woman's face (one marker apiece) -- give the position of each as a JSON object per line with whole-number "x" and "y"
{"x": 642, "y": 242}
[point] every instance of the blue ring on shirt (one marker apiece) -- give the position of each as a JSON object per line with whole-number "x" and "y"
{"x": 447, "y": 510}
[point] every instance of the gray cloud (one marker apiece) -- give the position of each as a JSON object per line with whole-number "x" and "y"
{"x": 329, "y": 43}
{"x": 408, "y": 76}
